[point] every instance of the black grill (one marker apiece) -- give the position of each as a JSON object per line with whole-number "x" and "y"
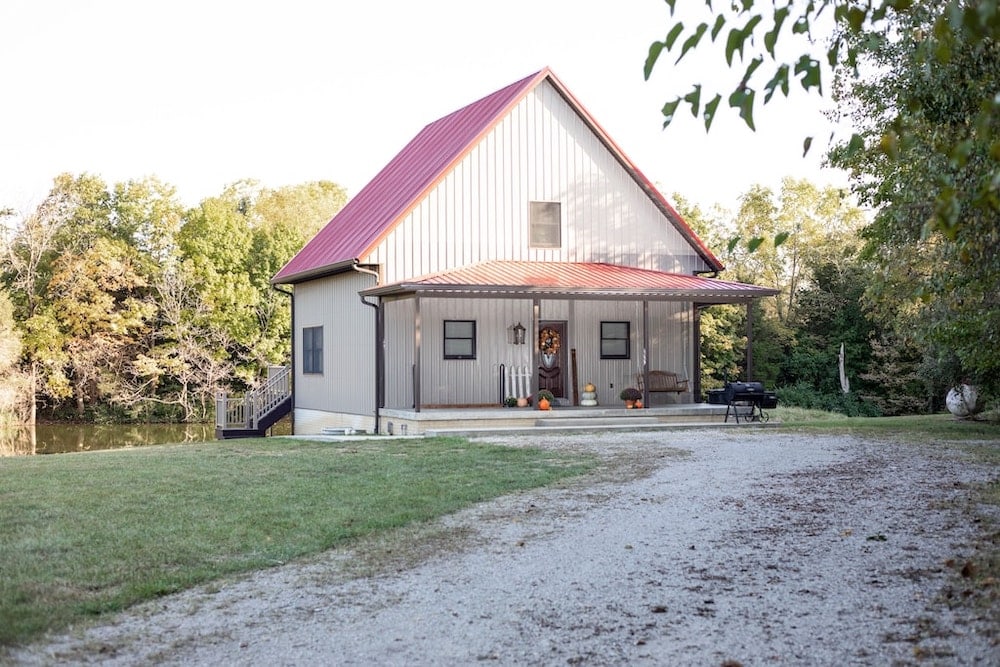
{"x": 748, "y": 400}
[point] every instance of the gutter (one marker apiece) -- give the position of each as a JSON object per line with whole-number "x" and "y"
{"x": 379, "y": 336}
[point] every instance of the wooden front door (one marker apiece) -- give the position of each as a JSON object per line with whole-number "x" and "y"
{"x": 552, "y": 373}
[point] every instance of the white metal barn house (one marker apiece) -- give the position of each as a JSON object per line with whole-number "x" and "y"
{"x": 509, "y": 247}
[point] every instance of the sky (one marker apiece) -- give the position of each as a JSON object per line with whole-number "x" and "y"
{"x": 203, "y": 93}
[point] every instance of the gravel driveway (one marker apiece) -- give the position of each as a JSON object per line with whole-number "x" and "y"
{"x": 704, "y": 547}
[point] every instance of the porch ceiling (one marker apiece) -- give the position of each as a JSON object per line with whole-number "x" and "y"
{"x": 591, "y": 280}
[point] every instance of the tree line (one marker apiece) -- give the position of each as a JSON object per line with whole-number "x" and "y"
{"x": 120, "y": 304}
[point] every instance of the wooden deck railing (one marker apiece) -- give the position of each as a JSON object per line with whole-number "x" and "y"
{"x": 248, "y": 410}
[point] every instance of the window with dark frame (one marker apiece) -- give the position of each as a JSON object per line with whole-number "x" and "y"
{"x": 459, "y": 339}
{"x": 615, "y": 340}
{"x": 312, "y": 349}
{"x": 544, "y": 224}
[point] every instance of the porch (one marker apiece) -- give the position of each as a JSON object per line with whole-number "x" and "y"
{"x": 525, "y": 421}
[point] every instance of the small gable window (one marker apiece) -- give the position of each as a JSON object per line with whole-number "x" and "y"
{"x": 615, "y": 340}
{"x": 312, "y": 350}
{"x": 459, "y": 339}
{"x": 545, "y": 224}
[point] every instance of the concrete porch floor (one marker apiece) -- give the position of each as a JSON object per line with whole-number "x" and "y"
{"x": 501, "y": 420}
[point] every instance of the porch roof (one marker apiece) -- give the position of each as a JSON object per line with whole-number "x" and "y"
{"x": 591, "y": 280}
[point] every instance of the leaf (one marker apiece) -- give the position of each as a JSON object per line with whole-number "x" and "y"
{"x": 771, "y": 36}
{"x": 806, "y": 145}
{"x": 742, "y": 99}
{"x": 752, "y": 24}
{"x": 755, "y": 243}
{"x": 734, "y": 43}
{"x": 801, "y": 25}
{"x": 833, "y": 53}
{"x": 751, "y": 68}
{"x": 780, "y": 78}
{"x": 780, "y": 238}
{"x": 692, "y": 41}
{"x": 672, "y": 36}
{"x": 720, "y": 21}
{"x": 733, "y": 242}
{"x": 710, "y": 110}
{"x": 669, "y": 109}
{"x": 654, "y": 52}
{"x": 809, "y": 73}
{"x": 670, "y": 3}
{"x": 856, "y": 18}
{"x": 694, "y": 99}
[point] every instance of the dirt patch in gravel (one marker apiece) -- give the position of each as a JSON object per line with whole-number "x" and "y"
{"x": 690, "y": 547}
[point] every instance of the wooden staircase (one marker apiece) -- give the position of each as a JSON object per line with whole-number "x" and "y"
{"x": 250, "y": 415}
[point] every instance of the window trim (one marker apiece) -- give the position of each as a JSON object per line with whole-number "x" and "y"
{"x": 471, "y": 338}
{"x": 607, "y": 339}
{"x": 312, "y": 354}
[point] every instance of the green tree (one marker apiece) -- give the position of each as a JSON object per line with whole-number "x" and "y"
{"x": 776, "y": 45}
{"x": 101, "y": 306}
{"x": 15, "y": 387}
{"x": 911, "y": 105}
{"x": 922, "y": 77}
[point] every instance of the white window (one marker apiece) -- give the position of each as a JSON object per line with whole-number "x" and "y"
{"x": 545, "y": 224}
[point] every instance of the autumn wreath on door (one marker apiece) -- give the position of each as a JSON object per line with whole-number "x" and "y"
{"x": 548, "y": 341}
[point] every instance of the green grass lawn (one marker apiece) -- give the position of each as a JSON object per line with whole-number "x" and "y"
{"x": 911, "y": 427}
{"x": 89, "y": 533}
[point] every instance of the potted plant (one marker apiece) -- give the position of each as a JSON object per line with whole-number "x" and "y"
{"x": 630, "y": 395}
{"x": 545, "y": 399}
{"x": 510, "y": 402}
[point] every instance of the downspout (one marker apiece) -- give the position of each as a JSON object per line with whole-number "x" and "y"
{"x": 379, "y": 353}
{"x": 291, "y": 300}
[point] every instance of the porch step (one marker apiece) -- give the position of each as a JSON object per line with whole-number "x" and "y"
{"x": 597, "y": 421}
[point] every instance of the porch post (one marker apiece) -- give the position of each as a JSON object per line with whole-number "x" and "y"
{"x": 416, "y": 353}
{"x": 536, "y": 323}
{"x": 750, "y": 340}
{"x": 696, "y": 362}
{"x": 645, "y": 355}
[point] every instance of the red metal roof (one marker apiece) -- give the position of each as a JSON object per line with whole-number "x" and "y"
{"x": 503, "y": 278}
{"x": 401, "y": 185}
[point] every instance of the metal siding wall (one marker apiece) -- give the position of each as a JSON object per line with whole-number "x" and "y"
{"x": 472, "y": 381}
{"x": 670, "y": 342}
{"x": 609, "y": 375}
{"x": 399, "y": 334}
{"x": 542, "y": 151}
{"x": 347, "y": 383}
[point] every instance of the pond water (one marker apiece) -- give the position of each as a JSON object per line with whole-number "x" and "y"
{"x": 63, "y": 438}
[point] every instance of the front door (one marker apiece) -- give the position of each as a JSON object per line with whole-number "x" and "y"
{"x": 552, "y": 374}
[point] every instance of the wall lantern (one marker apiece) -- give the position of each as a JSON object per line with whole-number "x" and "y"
{"x": 518, "y": 331}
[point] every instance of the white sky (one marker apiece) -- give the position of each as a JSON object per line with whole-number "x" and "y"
{"x": 201, "y": 93}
